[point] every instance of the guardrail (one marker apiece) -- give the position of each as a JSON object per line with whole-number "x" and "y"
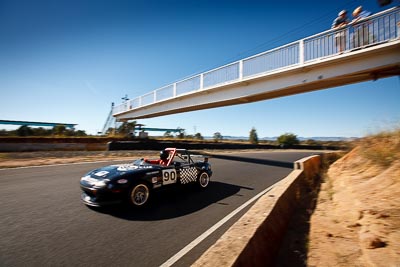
{"x": 376, "y": 29}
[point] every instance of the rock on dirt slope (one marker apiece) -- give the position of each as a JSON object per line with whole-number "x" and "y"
{"x": 357, "y": 218}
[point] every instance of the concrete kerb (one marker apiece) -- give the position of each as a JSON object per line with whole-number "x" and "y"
{"x": 254, "y": 240}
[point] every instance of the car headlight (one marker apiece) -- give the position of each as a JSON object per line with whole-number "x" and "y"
{"x": 101, "y": 183}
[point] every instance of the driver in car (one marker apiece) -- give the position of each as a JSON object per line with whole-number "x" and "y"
{"x": 162, "y": 161}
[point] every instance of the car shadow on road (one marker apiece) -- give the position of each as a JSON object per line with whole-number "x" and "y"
{"x": 176, "y": 202}
{"x": 283, "y": 164}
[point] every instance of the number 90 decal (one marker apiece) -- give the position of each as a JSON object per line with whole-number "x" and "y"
{"x": 169, "y": 176}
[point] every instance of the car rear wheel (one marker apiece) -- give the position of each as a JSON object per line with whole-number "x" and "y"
{"x": 139, "y": 195}
{"x": 203, "y": 180}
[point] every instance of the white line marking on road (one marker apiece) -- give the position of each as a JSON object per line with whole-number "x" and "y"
{"x": 203, "y": 236}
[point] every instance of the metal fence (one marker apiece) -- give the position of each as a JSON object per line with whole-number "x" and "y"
{"x": 376, "y": 29}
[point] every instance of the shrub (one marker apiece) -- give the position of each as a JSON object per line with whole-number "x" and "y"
{"x": 383, "y": 148}
{"x": 288, "y": 139}
{"x": 253, "y": 137}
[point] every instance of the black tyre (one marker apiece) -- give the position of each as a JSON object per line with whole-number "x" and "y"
{"x": 139, "y": 195}
{"x": 203, "y": 180}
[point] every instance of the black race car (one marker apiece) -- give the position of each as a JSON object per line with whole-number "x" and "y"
{"x": 135, "y": 182}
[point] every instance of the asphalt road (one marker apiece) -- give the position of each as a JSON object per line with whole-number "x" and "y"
{"x": 43, "y": 222}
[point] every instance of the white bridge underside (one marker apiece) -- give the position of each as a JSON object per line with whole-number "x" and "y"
{"x": 378, "y": 61}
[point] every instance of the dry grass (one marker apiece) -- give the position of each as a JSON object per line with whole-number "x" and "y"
{"x": 382, "y": 148}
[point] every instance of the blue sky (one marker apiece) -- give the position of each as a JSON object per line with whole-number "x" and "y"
{"x": 67, "y": 60}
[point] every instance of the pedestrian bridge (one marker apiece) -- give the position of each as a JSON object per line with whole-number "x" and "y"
{"x": 371, "y": 50}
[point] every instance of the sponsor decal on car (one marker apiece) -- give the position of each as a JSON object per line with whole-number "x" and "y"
{"x": 101, "y": 173}
{"x": 126, "y": 167}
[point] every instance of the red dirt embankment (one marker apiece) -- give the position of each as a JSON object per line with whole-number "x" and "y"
{"x": 357, "y": 218}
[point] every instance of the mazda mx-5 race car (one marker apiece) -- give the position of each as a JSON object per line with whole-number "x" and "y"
{"x": 136, "y": 181}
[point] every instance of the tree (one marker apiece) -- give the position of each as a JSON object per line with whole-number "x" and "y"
{"x": 59, "y": 129}
{"x": 198, "y": 136}
{"x": 24, "y": 131}
{"x": 253, "y": 137}
{"x": 4, "y": 132}
{"x": 80, "y": 133}
{"x": 217, "y": 136}
{"x": 288, "y": 139}
{"x": 126, "y": 128}
{"x": 181, "y": 134}
{"x": 110, "y": 131}
{"x": 41, "y": 131}
{"x": 168, "y": 134}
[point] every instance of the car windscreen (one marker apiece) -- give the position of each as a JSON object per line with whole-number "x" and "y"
{"x": 140, "y": 162}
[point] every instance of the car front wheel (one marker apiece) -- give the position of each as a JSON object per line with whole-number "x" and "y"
{"x": 139, "y": 195}
{"x": 203, "y": 180}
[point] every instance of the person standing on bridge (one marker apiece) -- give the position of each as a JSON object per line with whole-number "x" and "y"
{"x": 340, "y": 35}
{"x": 361, "y": 30}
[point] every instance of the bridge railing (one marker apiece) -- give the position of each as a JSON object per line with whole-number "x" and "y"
{"x": 377, "y": 28}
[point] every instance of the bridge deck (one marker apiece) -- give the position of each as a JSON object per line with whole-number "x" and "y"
{"x": 371, "y": 51}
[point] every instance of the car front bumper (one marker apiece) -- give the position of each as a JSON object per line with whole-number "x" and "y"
{"x": 95, "y": 201}
{"x": 97, "y": 197}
